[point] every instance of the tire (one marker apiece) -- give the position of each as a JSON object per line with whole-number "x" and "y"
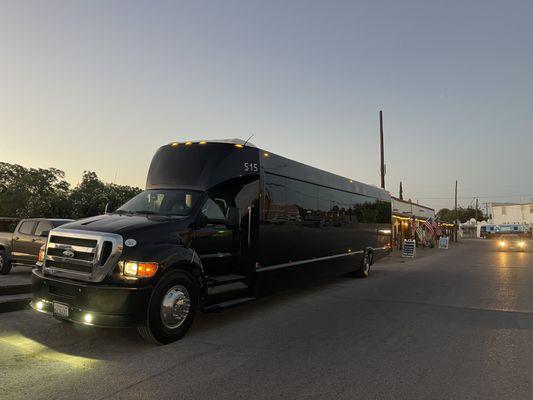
{"x": 171, "y": 309}
{"x": 5, "y": 263}
{"x": 364, "y": 269}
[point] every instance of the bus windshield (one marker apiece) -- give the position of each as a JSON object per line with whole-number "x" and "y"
{"x": 161, "y": 202}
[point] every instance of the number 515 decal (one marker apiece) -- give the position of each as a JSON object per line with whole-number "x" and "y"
{"x": 251, "y": 167}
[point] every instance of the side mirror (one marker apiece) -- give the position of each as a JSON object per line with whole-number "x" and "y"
{"x": 108, "y": 208}
{"x": 201, "y": 221}
{"x": 233, "y": 219}
{"x": 45, "y": 234}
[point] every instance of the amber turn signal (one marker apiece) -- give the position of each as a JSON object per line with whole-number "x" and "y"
{"x": 139, "y": 269}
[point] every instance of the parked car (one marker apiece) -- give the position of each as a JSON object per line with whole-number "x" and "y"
{"x": 21, "y": 247}
{"x": 511, "y": 242}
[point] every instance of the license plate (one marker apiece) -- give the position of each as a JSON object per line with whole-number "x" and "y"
{"x": 61, "y": 310}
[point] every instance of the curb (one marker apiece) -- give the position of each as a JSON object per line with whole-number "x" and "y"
{"x": 15, "y": 289}
{"x": 14, "y": 303}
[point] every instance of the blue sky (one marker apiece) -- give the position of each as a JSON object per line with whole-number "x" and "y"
{"x": 100, "y": 85}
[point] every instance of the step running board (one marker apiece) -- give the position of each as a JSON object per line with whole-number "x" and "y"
{"x": 227, "y": 304}
{"x": 225, "y": 280}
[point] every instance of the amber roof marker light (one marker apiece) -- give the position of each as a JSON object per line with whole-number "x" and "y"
{"x": 174, "y": 144}
{"x": 239, "y": 146}
{"x": 202, "y": 142}
{"x": 188, "y": 143}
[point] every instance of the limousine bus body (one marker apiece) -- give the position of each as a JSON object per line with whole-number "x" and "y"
{"x": 219, "y": 224}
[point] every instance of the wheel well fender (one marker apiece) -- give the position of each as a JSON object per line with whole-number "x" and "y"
{"x": 370, "y": 252}
{"x": 194, "y": 269}
{"x": 6, "y": 249}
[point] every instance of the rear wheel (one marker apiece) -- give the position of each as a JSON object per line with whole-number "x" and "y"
{"x": 172, "y": 308}
{"x": 5, "y": 264}
{"x": 364, "y": 269}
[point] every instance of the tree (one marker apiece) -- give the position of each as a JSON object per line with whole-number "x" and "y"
{"x": 90, "y": 197}
{"x": 32, "y": 193}
{"x": 463, "y": 214}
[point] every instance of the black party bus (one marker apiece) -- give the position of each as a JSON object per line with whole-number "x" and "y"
{"x": 219, "y": 224}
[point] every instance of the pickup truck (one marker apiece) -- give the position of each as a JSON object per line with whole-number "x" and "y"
{"x": 21, "y": 247}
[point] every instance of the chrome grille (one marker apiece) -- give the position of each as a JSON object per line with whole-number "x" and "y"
{"x": 81, "y": 255}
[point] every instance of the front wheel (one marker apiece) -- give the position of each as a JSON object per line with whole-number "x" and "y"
{"x": 5, "y": 264}
{"x": 364, "y": 269}
{"x": 172, "y": 308}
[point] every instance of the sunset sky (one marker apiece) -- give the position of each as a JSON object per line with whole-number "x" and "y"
{"x": 100, "y": 85}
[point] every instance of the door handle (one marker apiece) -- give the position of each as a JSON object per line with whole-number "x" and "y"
{"x": 17, "y": 238}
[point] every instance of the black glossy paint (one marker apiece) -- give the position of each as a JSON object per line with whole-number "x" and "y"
{"x": 297, "y": 223}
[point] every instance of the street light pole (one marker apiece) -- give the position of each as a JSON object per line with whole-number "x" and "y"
{"x": 455, "y": 225}
{"x": 382, "y": 151}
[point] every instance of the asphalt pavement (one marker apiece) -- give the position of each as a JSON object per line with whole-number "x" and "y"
{"x": 456, "y": 324}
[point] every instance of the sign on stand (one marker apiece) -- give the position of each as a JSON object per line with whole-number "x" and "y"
{"x": 444, "y": 242}
{"x": 409, "y": 248}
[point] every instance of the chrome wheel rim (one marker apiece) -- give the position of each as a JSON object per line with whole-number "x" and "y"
{"x": 175, "y": 307}
{"x": 366, "y": 266}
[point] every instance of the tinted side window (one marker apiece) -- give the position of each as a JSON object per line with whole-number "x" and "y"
{"x": 43, "y": 226}
{"x": 302, "y": 196}
{"x": 26, "y": 227}
{"x": 276, "y": 208}
{"x": 214, "y": 209}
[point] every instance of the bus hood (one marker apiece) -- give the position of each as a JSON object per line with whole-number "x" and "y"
{"x": 126, "y": 223}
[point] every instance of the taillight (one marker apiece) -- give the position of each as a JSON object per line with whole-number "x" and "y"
{"x": 42, "y": 251}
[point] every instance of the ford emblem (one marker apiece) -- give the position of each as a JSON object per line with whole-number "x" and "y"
{"x": 68, "y": 253}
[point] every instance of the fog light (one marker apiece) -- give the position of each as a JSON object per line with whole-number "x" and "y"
{"x": 39, "y": 305}
{"x": 88, "y": 318}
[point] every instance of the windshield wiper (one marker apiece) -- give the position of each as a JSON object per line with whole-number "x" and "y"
{"x": 153, "y": 213}
{"x": 121, "y": 212}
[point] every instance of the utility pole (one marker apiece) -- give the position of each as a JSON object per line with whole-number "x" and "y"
{"x": 455, "y": 227}
{"x": 477, "y": 206}
{"x": 382, "y": 150}
{"x": 401, "y": 191}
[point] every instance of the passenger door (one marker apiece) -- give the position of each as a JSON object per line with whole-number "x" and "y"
{"x": 213, "y": 240}
{"x": 23, "y": 242}
{"x": 38, "y": 240}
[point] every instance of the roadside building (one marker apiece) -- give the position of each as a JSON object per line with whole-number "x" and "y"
{"x": 470, "y": 228}
{"x": 406, "y": 216}
{"x": 512, "y": 213}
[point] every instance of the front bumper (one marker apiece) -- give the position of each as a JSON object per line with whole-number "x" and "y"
{"x": 109, "y": 306}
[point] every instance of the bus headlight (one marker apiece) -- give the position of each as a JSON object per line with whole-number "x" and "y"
{"x": 139, "y": 269}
